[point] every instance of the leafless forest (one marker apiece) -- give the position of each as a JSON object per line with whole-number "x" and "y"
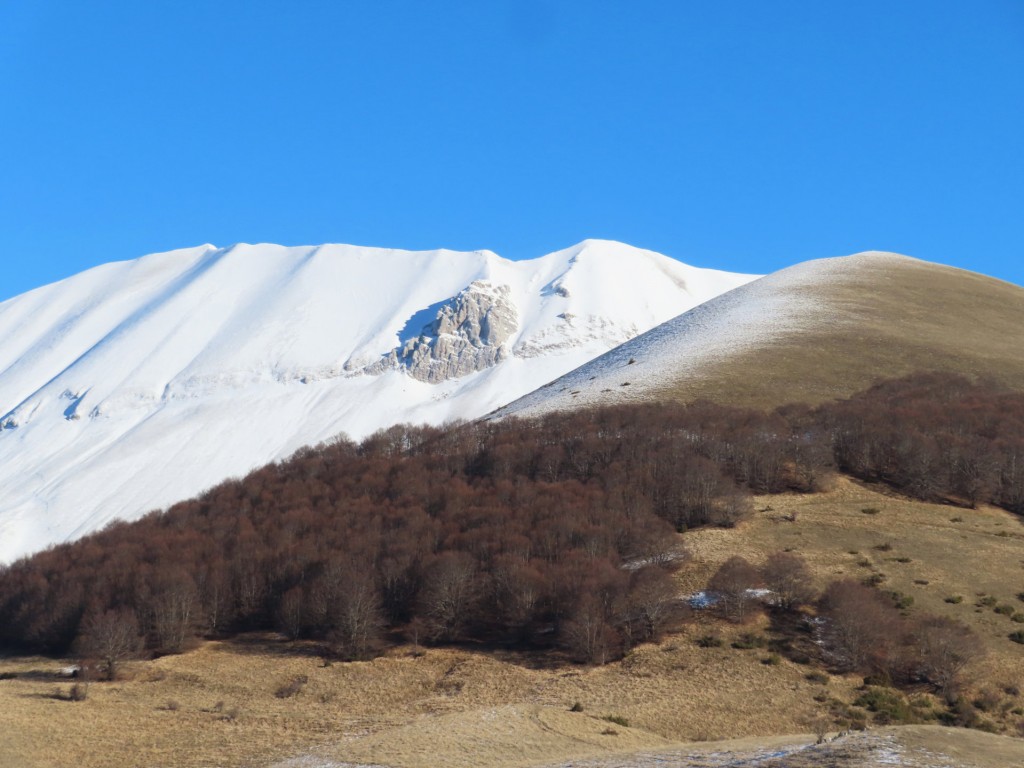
{"x": 555, "y": 534}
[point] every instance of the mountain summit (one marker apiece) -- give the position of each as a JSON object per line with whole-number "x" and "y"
{"x": 136, "y": 384}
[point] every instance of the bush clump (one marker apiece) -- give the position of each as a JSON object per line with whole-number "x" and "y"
{"x": 78, "y": 692}
{"x": 710, "y": 641}
{"x": 749, "y": 640}
{"x": 292, "y": 687}
{"x": 887, "y": 705}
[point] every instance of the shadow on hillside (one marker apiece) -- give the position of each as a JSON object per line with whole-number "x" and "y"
{"x": 36, "y": 675}
{"x": 274, "y": 644}
{"x": 793, "y": 637}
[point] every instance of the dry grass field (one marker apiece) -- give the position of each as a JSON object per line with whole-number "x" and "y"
{"x": 216, "y": 705}
{"x": 881, "y": 320}
{"x": 810, "y": 335}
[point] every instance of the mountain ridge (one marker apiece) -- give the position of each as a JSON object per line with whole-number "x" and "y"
{"x": 139, "y": 383}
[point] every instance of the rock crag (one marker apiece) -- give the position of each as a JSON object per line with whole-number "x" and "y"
{"x": 468, "y": 334}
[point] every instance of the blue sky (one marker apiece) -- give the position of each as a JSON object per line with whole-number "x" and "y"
{"x": 740, "y": 135}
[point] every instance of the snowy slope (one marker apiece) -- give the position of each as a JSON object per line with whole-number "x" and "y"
{"x": 814, "y": 331}
{"x": 137, "y": 384}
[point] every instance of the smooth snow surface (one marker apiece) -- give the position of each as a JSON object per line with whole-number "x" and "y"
{"x": 137, "y": 384}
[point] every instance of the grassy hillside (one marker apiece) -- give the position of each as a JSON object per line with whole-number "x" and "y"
{"x": 811, "y": 333}
{"x": 886, "y": 319}
{"x": 216, "y": 705}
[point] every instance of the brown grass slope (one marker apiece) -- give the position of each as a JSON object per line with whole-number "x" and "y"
{"x": 216, "y": 705}
{"x": 813, "y": 332}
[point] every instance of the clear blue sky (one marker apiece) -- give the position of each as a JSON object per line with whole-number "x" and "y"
{"x": 741, "y": 135}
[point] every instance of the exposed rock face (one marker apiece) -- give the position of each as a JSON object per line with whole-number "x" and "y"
{"x": 468, "y": 334}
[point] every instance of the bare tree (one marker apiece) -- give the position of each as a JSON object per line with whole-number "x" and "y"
{"x": 861, "y": 627}
{"x": 733, "y": 585}
{"x": 787, "y": 576}
{"x": 944, "y": 648}
{"x": 587, "y": 635}
{"x": 111, "y": 637}
{"x": 449, "y": 593}
{"x": 175, "y": 610}
{"x": 358, "y": 617}
{"x": 289, "y": 612}
{"x": 651, "y": 604}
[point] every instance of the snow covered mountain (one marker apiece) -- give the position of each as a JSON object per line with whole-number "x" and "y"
{"x": 140, "y": 383}
{"x": 815, "y": 331}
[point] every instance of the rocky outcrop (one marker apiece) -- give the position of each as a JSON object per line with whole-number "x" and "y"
{"x": 469, "y": 333}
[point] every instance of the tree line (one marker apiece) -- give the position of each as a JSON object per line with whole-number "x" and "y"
{"x": 557, "y": 532}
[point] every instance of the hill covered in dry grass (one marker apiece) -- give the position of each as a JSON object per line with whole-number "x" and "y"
{"x": 810, "y": 333}
{"x": 465, "y": 706}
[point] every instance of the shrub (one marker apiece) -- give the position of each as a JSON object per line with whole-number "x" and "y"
{"x": 576, "y": 707}
{"x": 887, "y": 705}
{"x": 1004, "y": 609}
{"x": 987, "y": 701}
{"x": 961, "y": 712}
{"x": 1018, "y": 636}
{"x": 878, "y": 679}
{"x": 987, "y": 602}
{"x": 900, "y": 600}
{"x": 955, "y": 599}
{"x": 871, "y": 510}
{"x": 817, "y": 677}
{"x": 79, "y": 692}
{"x": 710, "y": 641}
{"x": 772, "y": 660}
{"x": 749, "y": 640}
{"x": 617, "y": 719}
{"x": 292, "y": 687}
